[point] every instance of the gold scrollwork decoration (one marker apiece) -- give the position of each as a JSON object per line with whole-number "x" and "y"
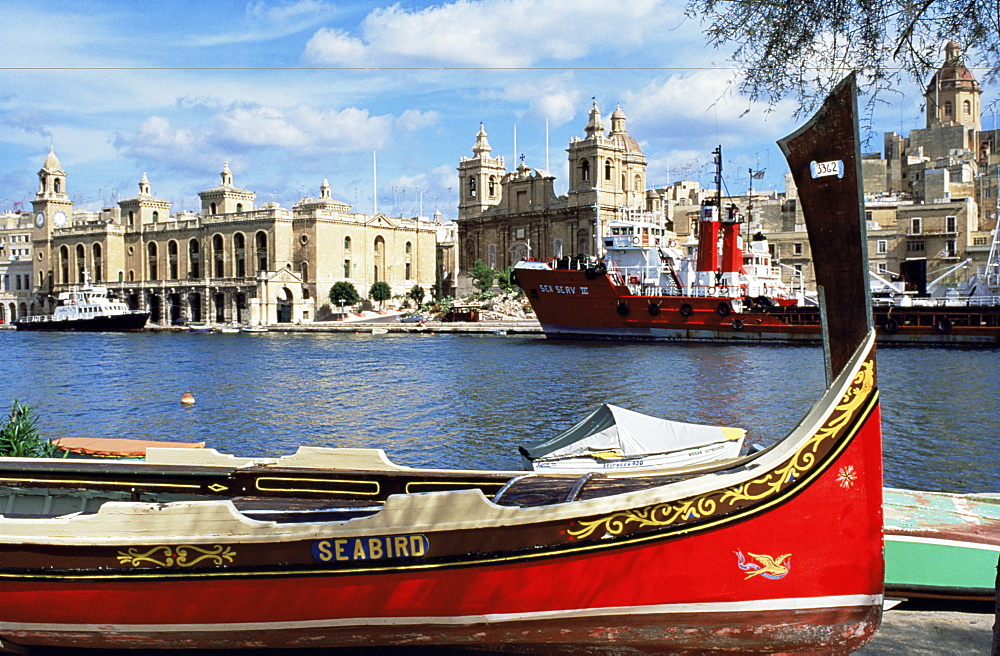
{"x": 804, "y": 460}
{"x": 185, "y": 555}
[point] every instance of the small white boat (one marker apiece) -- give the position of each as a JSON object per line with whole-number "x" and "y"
{"x": 615, "y": 438}
{"x": 379, "y": 331}
{"x": 230, "y": 328}
{"x": 254, "y": 329}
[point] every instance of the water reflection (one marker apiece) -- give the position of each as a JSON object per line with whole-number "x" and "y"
{"x": 468, "y": 401}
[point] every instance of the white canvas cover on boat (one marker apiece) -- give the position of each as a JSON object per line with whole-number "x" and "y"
{"x": 614, "y": 432}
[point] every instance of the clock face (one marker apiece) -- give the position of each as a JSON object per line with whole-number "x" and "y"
{"x": 40, "y": 219}
{"x": 59, "y": 219}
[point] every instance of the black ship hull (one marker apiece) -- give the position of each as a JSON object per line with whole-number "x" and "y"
{"x": 132, "y": 322}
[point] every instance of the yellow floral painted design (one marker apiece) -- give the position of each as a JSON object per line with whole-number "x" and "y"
{"x": 185, "y": 555}
{"x": 804, "y": 460}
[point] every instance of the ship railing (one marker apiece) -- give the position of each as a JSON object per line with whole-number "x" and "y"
{"x": 710, "y": 291}
{"x": 578, "y": 263}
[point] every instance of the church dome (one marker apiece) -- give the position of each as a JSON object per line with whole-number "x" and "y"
{"x": 953, "y": 75}
{"x": 620, "y": 135}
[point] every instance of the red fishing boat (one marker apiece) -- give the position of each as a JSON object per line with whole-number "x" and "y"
{"x": 778, "y": 551}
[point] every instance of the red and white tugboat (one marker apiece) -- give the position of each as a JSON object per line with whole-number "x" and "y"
{"x": 647, "y": 286}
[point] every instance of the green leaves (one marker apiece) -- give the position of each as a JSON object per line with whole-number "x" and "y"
{"x": 19, "y": 437}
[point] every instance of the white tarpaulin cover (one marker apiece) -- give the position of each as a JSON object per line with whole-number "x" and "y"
{"x": 627, "y": 434}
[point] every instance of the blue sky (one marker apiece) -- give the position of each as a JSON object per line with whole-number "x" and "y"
{"x": 291, "y": 92}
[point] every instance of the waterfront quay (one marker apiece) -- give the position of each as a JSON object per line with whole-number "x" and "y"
{"x": 431, "y": 327}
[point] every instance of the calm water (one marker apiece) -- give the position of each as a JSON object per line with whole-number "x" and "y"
{"x": 469, "y": 401}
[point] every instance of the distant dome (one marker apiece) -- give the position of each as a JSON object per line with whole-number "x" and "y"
{"x": 51, "y": 162}
{"x": 953, "y": 74}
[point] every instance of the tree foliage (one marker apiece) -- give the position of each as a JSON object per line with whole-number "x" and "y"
{"x": 417, "y": 294}
{"x": 344, "y": 293}
{"x": 380, "y": 292}
{"x": 482, "y": 276}
{"x": 506, "y": 279}
{"x": 802, "y": 48}
{"x": 19, "y": 436}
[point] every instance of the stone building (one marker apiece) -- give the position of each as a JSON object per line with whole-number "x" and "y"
{"x": 232, "y": 261}
{"x": 504, "y": 216}
{"x": 15, "y": 265}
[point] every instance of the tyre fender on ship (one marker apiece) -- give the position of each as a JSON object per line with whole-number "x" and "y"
{"x": 737, "y": 324}
{"x": 654, "y": 309}
{"x": 723, "y": 309}
{"x": 686, "y": 309}
{"x": 943, "y": 325}
{"x": 890, "y": 325}
{"x": 622, "y": 308}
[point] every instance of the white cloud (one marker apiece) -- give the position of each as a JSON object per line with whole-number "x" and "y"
{"x": 264, "y": 21}
{"x": 335, "y": 48}
{"x": 497, "y": 33}
{"x": 553, "y": 98}
{"x": 412, "y": 120}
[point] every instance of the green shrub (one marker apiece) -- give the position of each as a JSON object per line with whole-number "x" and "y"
{"x": 19, "y": 437}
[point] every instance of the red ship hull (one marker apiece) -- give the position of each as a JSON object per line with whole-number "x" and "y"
{"x": 577, "y": 304}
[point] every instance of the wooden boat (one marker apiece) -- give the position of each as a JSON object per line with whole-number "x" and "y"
{"x": 775, "y": 552}
{"x": 614, "y": 438}
{"x": 199, "y": 327}
{"x": 117, "y": 447}
{"x": 941, "y": 545}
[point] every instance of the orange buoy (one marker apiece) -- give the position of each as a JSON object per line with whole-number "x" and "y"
{"x": 187, "y": 398}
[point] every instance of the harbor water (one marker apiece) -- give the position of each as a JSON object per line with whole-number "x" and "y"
{"x": 468, "y": 401}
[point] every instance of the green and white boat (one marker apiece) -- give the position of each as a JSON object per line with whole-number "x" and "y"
{"x": 941, "y": 545}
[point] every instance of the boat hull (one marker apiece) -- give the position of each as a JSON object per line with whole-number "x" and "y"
{"x": 133, "y": 322}
{"x": 699, "y": 455}
{"x": 575, "y": 304}
{"x": 941, "y": 545}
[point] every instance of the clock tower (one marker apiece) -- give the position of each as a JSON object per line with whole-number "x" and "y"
{"x": 52, "y": 211}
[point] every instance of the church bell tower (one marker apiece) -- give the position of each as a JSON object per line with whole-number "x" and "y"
{"x": 52, "y": 211}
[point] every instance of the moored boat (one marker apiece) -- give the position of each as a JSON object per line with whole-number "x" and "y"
{"x": 615, "y": 438}
{"x": 941, "y": 545}
{"x": 87, "y": 308}
{"x": 778, "y": 551}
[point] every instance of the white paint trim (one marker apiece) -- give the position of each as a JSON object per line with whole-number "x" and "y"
{"x": 939, "y": 542}
{"x": 734, "y": 607}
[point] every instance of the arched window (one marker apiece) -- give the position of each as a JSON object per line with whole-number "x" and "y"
{"x": 472, "y": 187}
{"x": 151, "y": 251}
{"x": 239, "y": 208}
{"x": 493, "y": 186}
{"x": 239, "y": 250}
{"x": 218, "y": 257}
{"x": 607, "y": 169}
{"x": 156, "y": 216}
{"x": 637, "y": 183}
{"x": 81, "y": 262}
{"x": 64, "y": 264}
{"x": 557, "y": 249}
{"x": 131, "y": 219}
{"x": 347, "y": 268}
{"x": 58, "y": 186}
{"x": 585, "y": 171}
{"x": 582, "y": 242}
{"x": 98, "y": 263}
{"x": 194, "y": 258}
{"x": 409, "y": 247}
{"x": 172, "y": 259}
{"x": 966, "y": 107}
{"x": 347, "y": 243}
{"x": 261, "y": 243}
{"x": 304, "y": 269}
{"x": 212, "y": 208}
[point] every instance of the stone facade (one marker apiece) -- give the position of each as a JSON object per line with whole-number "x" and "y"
{"x": 504, "y": 216}
{"x": 232, "y": 261}
{"x": 15, "y": 265}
